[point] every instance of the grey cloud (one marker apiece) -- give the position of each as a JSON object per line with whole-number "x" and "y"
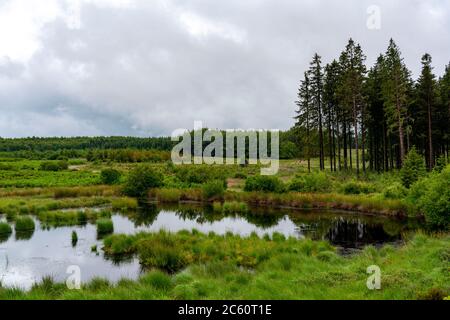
{"x": 142, "y": 71}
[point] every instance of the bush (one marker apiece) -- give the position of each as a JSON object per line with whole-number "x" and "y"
{"x": 105, "y": 226}
{"x": 141, "y": 179}
{"x": 395, "y": 191}
{"x": 5, "y": 228}
{"x": 54, "y": 165}
{"x": 433, "y": 198}
{"x": 110, "y": 176}
{"x": 24, "y": 224}
{"x": 441, "y": 162}
{"x": 264, "y": 183}
{"x": 213, "y": 190}
{"x": 314, "y": 182}
{"x": 413, "y": 168}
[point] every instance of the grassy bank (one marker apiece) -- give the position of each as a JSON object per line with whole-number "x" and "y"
{"x": 231, "y": 267}
{"x": 373, "y": 204}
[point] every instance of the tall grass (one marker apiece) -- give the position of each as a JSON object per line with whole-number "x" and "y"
{"x": 24, "y": 224}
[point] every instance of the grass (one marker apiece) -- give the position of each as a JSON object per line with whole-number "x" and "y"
{"x": 5, "y": 229}
{"x": 74, "y": 238}
{"x": 71, "y": 218}
{"x": 124, "y": 204}
{"x": 231, "y": 267}
{"x": 104, "y": 226}
{"x": 24, "y": 224}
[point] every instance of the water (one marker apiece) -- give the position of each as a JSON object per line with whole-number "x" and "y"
{"x": 26, "y": 258}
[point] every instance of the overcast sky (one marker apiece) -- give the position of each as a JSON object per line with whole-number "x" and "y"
{"x": 148, "y": 67}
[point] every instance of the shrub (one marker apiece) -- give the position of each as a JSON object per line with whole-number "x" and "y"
{"x": 54, "y": 165}
{"x": 433, "y": 198}
{"x": 264, "y": 183}
{"x": 105, "y": 226}
{"x": 313, "y": 182}
{"x": 395, "y": 191}
{"x": 141, "y": 179}
{"x": 110, "y": 176}
{"x": 5, "y": 228}
{"x": 24, "y": 224}
{"x": 213, "y": 190}
{"x": 441, "y": 162}
{"x": 413, "y": 168}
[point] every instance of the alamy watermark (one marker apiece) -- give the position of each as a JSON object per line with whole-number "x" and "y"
{"x": 240, "y": 147}
{"x": 374, "y": 280}
{"x": 73, "y": 282}
{"x": 374, "y": 17}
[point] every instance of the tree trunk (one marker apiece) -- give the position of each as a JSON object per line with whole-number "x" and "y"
{"x": 430, "y": 140}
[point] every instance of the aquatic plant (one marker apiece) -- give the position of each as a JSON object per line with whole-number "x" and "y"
{"x": 105, "y": 226}
{"x": 24, "y": 224}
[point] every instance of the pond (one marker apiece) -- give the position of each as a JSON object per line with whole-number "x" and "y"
{"x": 26, "y": 258}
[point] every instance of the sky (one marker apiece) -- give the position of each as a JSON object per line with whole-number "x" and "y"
{"x": 149, "y": 67}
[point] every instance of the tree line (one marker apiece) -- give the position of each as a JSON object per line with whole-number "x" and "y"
{"x": 380, "y": 113}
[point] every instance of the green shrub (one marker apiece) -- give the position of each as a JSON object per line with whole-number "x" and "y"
{"x": 105, "y": 226}
{"x": 441, "y": 163}
{"x": 213, "y": 190}
{"x": 141, "y": 179}
{"x": 5, "y": 228}
{"x": 54, "y": 165}
{"x": 264, "y": 184}
{"x": 413, "y": 168}
{"x": 313, "y": 182}
{"x": 24, "y": 224}
{"x": 240, "y": 175}
{"x": 110, "y": 176}
{"x": 433, "y": 198}
{"x": 395, "y": 191}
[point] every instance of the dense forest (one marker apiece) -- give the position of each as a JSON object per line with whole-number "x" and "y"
{"x": 381, "y": 112}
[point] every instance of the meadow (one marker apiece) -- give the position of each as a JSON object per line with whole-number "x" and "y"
{"x": 192, "y": 265}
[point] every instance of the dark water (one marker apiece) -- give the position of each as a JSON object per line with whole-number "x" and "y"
{"x": 27, "y": 258}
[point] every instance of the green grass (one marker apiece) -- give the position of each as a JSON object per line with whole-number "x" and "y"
{"x": 24, "y": 224}
{"x": 231, "y": 267}
{"x": 5, "y": 229}
{"x": 104, "y": 226}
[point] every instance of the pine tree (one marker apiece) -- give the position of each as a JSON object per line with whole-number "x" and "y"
{"x": 316, "y": 81}
{"x": 427, "y": 99}
{"x": 396, "y": 79}
{"x": 303, "y": 118}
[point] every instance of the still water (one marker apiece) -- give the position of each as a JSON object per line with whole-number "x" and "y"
{"x": 26, "y": 258}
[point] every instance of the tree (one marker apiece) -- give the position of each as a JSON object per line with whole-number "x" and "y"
{"x": 396, "y": 79}
{"x": 413, "y": 168}
{"x": 330, "y": 103}
{"x": 427, "y": 99}
{"x": 303, "y": 118}
{"x": 316, "y": 89}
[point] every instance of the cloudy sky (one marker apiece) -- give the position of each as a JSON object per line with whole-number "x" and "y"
{"x": 148, "y": 67}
